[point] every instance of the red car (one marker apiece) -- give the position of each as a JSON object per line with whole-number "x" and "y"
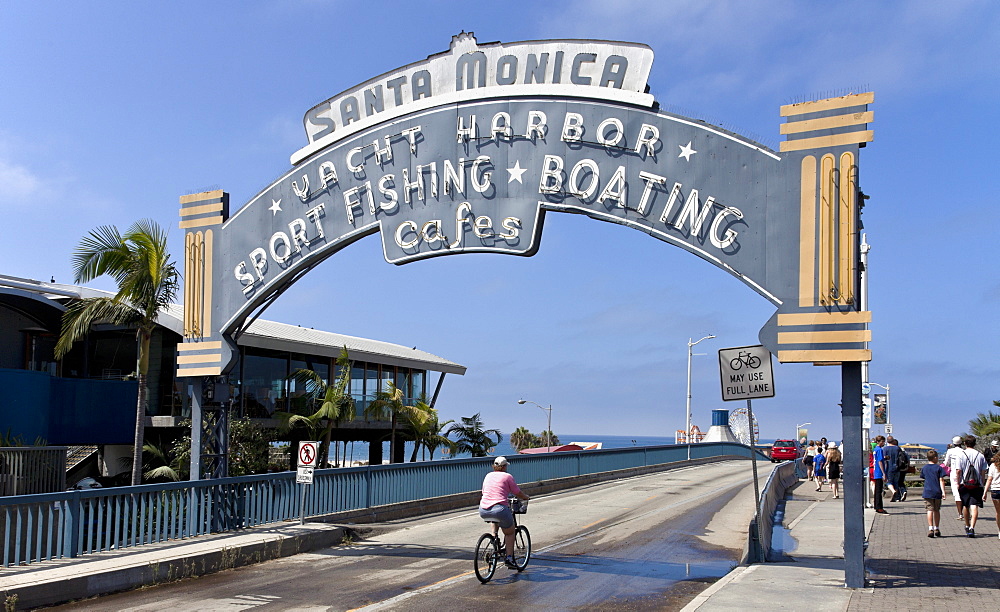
{"x": 784, "y": 450}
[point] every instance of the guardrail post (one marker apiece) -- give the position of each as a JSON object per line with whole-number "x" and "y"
{"x": 71, "y": 525}
{"x": 368, "y": 486}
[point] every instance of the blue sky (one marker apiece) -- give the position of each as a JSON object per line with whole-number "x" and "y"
{"x": 109, "y": 111}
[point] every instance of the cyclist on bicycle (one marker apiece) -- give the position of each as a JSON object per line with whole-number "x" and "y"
{"x": 497, "y": 485}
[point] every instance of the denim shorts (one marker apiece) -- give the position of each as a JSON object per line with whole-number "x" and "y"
{"x": 500, "y": 513}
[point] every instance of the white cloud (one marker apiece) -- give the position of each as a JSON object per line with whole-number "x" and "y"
{"x": 19, "y": 186}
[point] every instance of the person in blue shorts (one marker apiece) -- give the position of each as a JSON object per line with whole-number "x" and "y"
{"x": 819, "y": 470}
{"x": 934, "y": 493}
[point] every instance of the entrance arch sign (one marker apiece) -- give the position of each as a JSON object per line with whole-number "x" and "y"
{"x": 469, "y": 150}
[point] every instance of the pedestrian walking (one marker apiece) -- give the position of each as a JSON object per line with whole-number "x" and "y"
{"x": 934, "y": 493}
{"x": 891, "y": 453}
{"x": 808, "y": 459}
{"x": 992, "y": 487}
{"x": 902, "y": 468}
{"x": 972, "y": 475}
{"x": 991, "y": 451}
{"x": 950, "y": 461}
{"x": 834, "y": 459}
{"x": 879, "y": 473}
{"x": 819, "y": 469}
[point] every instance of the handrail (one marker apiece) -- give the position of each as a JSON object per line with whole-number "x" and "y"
{"x": 48, "y": 526}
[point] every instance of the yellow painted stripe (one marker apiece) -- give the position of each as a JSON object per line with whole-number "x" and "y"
{"x": 822, "y": 142}
{"x": 206, "y": 282}
{"x": 824, "y": 356}
{"x": 200, "y": 346}
{"x": 826, "y": 227}
{"x": 824, "y": 337}
{"x": 204, "y": 195}
{"x": 824, "y": 318}
{"x": 214, "y": 371}
{"x": 209, "y": 358}
{"x": 807, "y": 234}
{"x": 825, "y": 123}
{"x": 200, "y": 210}
{"x": 594, "y": 523}
{"x": 827, "y": 104}
{"x": 848, "y": 238}
{"x": 203, "y": 222}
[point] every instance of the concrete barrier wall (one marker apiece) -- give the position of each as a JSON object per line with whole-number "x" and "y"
{"x": 758, "y": 547}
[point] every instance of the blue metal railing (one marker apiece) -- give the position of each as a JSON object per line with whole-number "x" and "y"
{"x": 69, "y": 524}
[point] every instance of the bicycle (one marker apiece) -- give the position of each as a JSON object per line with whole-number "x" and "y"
{"x": 745, "y": 358}
{"x": 490, "y": 550}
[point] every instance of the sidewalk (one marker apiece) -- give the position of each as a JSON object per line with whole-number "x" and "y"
{"x": 906, "y": 569}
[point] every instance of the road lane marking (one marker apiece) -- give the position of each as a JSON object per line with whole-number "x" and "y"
{"x": 404, "y": 596}
{"x": 594, "y": 523}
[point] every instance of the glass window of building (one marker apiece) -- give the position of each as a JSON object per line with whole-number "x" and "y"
{"x": 417, "y": 378}
{"x": 264, "y": 382}
{"x": 386, "y": 378}
{"x": 296, "y": 390}
{"x": 371, "y": 381}
{"x": 358, "y": 386}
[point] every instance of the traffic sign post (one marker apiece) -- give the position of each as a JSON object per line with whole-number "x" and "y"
{"x": 746, "y": 373}
{"x": 307, "y": 459}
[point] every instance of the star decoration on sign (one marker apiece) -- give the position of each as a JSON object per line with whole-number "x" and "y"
{"x": 275, "y": 207}
{"x": 516, "y": 172}
{"x": 686, "y": 151}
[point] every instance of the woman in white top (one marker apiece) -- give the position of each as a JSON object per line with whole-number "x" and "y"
{"x": 992, "y": 488}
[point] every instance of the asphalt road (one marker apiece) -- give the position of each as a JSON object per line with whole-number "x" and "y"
{"x": 649, "y": 542}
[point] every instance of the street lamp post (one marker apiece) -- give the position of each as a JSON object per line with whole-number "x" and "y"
{"x": 687, "y": 422}
{"x": 548, "y": 432}
{"x": 797, "y": 427}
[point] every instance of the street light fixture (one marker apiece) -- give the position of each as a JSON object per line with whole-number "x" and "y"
{"x": 687, "y": 423}
{"x": 548, "y": 432}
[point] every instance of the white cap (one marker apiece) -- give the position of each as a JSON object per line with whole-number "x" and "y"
{"x": 956, "y": 440}
{"x": 832, "y": 445}
{"x": 995, "y": 443}
{"x": 501, "y": 460}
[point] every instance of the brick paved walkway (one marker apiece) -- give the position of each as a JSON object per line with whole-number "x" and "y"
{"x": 910, "y": 571}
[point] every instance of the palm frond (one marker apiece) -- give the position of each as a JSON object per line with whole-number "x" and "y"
{"x": 82, "y": 314}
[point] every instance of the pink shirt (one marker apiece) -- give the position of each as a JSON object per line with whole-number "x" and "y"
{"x": 496, "y": 487}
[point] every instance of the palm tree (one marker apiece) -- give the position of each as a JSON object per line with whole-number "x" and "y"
{"x": 435, "y": 438}
{"x": 985, "y": 424}
{"x": 521, "y": 439}
{"x": 332, "y": 403}
{"x": 147, "y": 281}
{"x": 472, "y": 438}
{"x": 426, "y": 429}
{"x": 390, "y": 404}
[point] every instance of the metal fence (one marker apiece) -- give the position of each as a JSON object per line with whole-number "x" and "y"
{"x": 32, "y": 469}
{"x": 68, "y": 524}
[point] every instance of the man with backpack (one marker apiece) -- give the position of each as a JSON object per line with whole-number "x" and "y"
{"x": 971, "y": 475}
{"x": 903, "y": 467}
{"x": 891, "y": 454}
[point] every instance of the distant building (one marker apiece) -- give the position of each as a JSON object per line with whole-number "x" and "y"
{"x": 89, "y": 397}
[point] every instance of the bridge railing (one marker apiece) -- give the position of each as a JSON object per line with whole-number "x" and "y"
{"x": 49, "y": 526}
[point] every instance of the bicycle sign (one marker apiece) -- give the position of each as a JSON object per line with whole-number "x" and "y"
{"x": 746, "y": 373}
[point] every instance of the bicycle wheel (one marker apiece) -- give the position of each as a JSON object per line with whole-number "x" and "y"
{"x": 522, "y": 547}
{"x": 487, "y": 556}
{"x": 736, "y": 363}
{"x": 753, "y": 362}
